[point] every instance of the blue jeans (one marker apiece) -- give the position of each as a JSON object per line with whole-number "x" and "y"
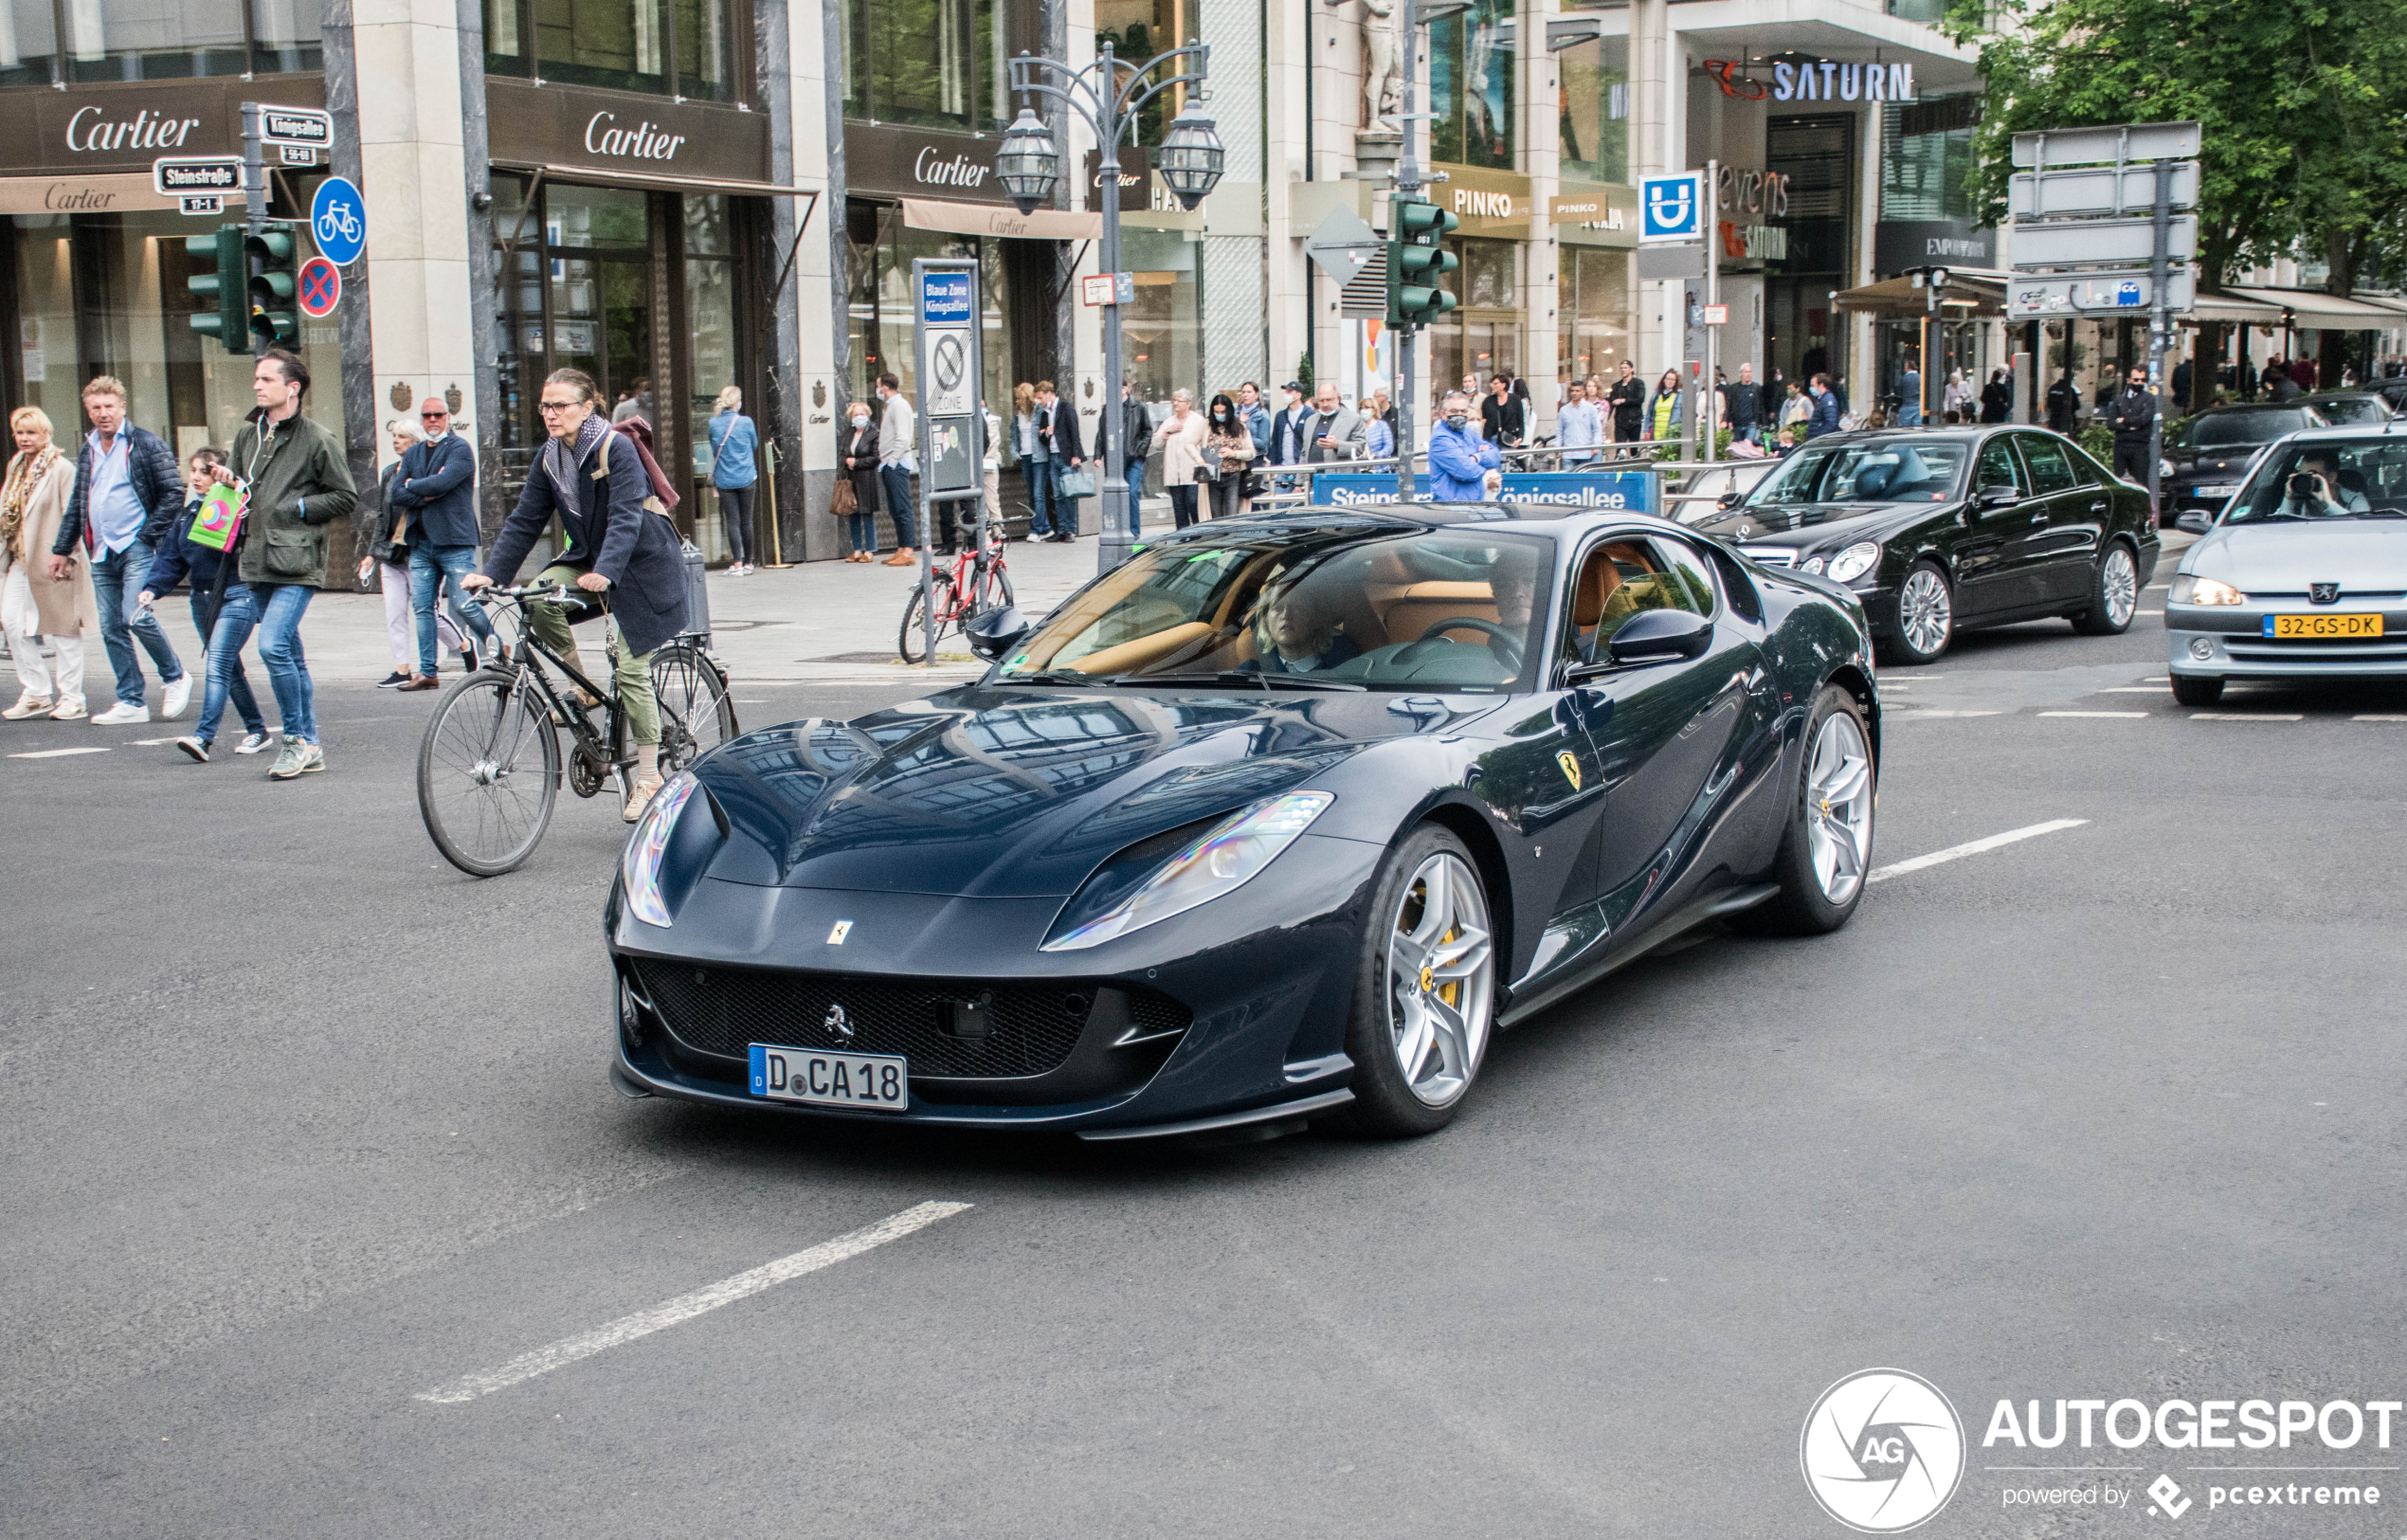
{"x": 896, "y": 482}
{"x": 222, "y": 677}
{"x": 1065, "y": 510}
{"x": 117, "y": 577}
{"x": 276, "y": 613}
{"x": 432, "y": 567}
{"x": 1039, "y": 477}
{"x": 864, "y": 528}
{"x": 1136, "y": 492}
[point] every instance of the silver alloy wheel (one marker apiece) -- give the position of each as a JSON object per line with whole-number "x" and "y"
{"x": 2119, "y": 583}
{"x": 1838, "y": 806}
{"x": 1440, "y": 978}
{"x": 1923, "y": 612}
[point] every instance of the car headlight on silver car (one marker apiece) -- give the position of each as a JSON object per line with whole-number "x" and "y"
{"x": 1220, "y": 861}
{"x": 2189, "y": 589}
{"x": 640, "y": 865}
{"x": 1856, "y": 561}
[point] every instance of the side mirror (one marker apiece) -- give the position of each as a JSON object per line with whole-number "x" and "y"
{"x": 1729, "y": 500}
{"x": 1997, "y": 497}
{"x": 997, "y": 632}
{"x": 1655, "y": 636}
{"x": 2194, "y": 523}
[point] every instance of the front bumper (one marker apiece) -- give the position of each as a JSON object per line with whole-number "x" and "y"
{"x": 1211, "y": 1017}
{"x": 2229, "y": 642}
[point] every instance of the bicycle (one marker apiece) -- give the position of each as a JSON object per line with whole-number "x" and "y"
{"x": 489, "y": 768}
{"x": 964, "y": 588}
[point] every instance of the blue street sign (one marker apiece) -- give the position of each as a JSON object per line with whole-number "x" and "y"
{"x": 338, "y": 221}
{"x": 944, "y": 299}
{"x": 1629, "y": 492}
{"x": 1669, "y": 209}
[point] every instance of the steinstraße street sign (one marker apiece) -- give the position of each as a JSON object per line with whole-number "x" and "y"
{"x": 199, "y": 184}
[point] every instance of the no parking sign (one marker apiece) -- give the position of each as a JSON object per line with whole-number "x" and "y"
{"x": 321, "y": 288}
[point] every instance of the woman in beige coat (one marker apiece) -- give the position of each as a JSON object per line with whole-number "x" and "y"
{"x": 1180, "y": 439}
{"x": 33, "y": 605}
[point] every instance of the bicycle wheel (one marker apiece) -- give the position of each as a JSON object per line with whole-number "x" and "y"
{"x": 488, "y": 774}
{"x": 912, "y": 641}
{"x": 696, "y": 713}
{"x": 990, "y": 590}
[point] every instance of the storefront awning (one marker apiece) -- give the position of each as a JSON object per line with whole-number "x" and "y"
{"x": 999, "y": 219}
{"x": 2313, "y": 307}
{"x": 2234, "y": 307}
{"x": 1897, "y": 300}
{"x": 73, "y": 195}
{"x": 649, "y": 181}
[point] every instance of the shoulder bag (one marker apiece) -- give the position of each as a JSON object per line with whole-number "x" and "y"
{"x": 844, "y": 503}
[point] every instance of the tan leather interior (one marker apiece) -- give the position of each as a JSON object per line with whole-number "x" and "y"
{"x": 1598, "y": 579}
{"x": 1142, "y": 651}
{"x": 1404, "y": 612}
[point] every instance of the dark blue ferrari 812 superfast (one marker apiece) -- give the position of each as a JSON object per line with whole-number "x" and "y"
{"x": 1282, "y": 819}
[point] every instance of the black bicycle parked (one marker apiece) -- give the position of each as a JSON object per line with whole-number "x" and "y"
{"x": 489, "y": 768}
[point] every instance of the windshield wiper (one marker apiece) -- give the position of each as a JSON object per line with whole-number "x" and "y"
{"x": 1240, "y": 679}
{"x": 1052, "y": 676}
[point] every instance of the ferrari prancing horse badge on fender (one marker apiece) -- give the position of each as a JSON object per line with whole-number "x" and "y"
{"x": 1570, "y": 764}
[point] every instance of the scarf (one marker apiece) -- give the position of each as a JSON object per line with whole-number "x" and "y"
{"x": 561, "y": 459}
{"x": 25, "y": 472}
{"x": 639, "y": 431}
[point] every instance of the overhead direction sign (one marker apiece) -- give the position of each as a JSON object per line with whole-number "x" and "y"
{"x": 2099, "y": 242}
{"x": 1672, "y": 208}
{"x": 312, "y": 128}
{"x": 2089, "y": 190}
{"x": 2130, "y": 293}
{"x": 2107, "y": 146}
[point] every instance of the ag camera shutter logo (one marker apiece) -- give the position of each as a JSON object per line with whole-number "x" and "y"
{"x": 1882, "y": 1451}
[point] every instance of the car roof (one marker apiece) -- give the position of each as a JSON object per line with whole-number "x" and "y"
{"x": 1533, "y": 518}
{"x": 2314, "y": 396}
{"x": 2222, "y": 408}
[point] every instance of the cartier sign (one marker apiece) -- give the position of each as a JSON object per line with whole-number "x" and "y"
{"x": 892, "y": 161}
{"x": 120, "y": 129}
{"x": 569, "y": 127}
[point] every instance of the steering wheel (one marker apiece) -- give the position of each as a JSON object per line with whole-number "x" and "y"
{"x": 1508, "y": 647}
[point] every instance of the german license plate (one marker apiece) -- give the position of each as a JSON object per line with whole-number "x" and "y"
{"x": 2326, "y": 628}
{"x": 879, "y": 1082}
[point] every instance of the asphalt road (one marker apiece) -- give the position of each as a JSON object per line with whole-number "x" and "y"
{"x": 300, "y": 1124}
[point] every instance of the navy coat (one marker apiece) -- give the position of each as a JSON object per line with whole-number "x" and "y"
{"x": 609, "y": 531}
{"x": 437, "y": 488}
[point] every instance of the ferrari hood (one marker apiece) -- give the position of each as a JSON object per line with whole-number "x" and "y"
{"x": 1012, "y": 791}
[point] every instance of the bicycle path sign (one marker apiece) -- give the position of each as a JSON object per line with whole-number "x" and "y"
{"x": 338, "y": 221}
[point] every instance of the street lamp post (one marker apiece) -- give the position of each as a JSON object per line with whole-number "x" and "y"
{"x": 1109, "y": 94}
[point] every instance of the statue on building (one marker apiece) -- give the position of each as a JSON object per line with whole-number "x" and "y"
{"x": 1383, "y": 74}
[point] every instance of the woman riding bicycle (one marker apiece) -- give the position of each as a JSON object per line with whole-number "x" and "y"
{"x": 609, "y": 543}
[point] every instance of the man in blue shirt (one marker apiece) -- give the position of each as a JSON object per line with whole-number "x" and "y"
{"x": 127, "y": 493}
{"x": 1578, "y": 426}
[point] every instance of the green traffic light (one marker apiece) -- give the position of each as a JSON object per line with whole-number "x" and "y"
{"x": 1417, "y": 262}
{"x": 272, "y": 283}
{"x": 227, "y": 285}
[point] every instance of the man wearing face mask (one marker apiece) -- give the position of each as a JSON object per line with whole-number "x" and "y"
{"x": 1459, "y": 459}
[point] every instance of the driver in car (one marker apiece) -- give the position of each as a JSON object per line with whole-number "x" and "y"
{"x": 1302, "y": 635}
{"x": 2315, "y": 489}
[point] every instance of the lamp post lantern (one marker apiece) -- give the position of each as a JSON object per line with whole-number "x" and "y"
{"x": 1109, "y": 94}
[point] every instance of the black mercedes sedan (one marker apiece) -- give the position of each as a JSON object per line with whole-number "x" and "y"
{"x": 1941, "y": 532}
{"x": 1281, "y": 819}
{"x": 2207, "y": 457}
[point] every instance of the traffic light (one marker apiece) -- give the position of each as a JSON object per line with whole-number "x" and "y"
{"x": 1417, "y": 261}
{"x": 273, "y": 281}
{"x": 228, "y": 285}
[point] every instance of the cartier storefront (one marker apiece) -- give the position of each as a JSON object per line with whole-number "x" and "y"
{"x": 97, "y": 264}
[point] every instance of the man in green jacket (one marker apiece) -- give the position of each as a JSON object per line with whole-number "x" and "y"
{"x": 299, "y": 484}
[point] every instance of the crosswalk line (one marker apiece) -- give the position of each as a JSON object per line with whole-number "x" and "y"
{"x": 59, "y": 754}
{"x": 2377, "y": 717}
{"x": 2246, "y": 716}
{"x": 2129, "y": 690}
{"x": 1973, "y": 847}
{"x": 2093, "y": 713}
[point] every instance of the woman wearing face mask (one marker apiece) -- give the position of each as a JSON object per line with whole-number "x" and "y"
{"x": 1663, "y": 410}
{"x": 1227, "y": 433}
{"x": 857, "y": 452}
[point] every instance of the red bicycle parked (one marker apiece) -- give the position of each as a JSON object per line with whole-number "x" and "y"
{"x": 963, "y": 588}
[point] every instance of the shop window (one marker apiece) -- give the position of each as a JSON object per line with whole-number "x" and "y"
{"x": 934, "y": 62}
{"x": 1923, "y": 174}
{"x": 661, "y": 47}
{"x": 1596, "y": 111}
{"x": 610, "y": 42}
{"x": 1138, "y": 29}
{"x": 1164, "y": 329}
{"x": 28, "y": 51}
{"x": 1484, "y": 276}
{"x": 705, "y": 50}
{"x": 1592, "y": 334}
{"x": 284, "y": 36}
{"x": 1471, "y": 87}
{"x": 506, "y": 48}
{"x": 149, "y": 40}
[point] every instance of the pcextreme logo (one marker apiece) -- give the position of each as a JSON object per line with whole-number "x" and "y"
{"x": 1882, "y": 1451}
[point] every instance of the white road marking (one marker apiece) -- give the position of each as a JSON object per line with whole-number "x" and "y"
{"x": 2147, "y": 612}
{"x": 2244, "y": 716}
{"x": 2370, "y": 718}
{"x": 1883, "y": 874}
{"x": 1917, "y": 715}
{"x": 58, "y": 754}
{"x": 2093, "y": 713}
{"x": 2130, "y": 690}
{"x": 686, "y": 1305}
{"x": 148, "y": 743}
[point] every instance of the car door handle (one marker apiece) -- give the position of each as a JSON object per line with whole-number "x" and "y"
{"x": 2097, "y": 508}
{"x": 2038, "y": 518}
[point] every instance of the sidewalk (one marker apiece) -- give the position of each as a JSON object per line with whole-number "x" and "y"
{"x": 822, "y": 623}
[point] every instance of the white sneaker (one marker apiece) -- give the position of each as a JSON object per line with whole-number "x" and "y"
{"x": 121, "y": 715}
{"x": 70, "y": 710}
{"x": 29, "y": 704}
{"x": 179, "y": 694}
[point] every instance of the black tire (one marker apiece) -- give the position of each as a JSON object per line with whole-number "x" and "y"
{"x": 911, "y": 641}
{"x": 1925, "y": 586}
{"x": 472, "y": 774}
{"x": 992, "y": 590}
{"x": 1806, "y": 904}
{"x": 2114, "y": 590}
{"x": 696, "y": 713}
{"x": 2193, "y": 690}
{"x": 1381, "y": 1026}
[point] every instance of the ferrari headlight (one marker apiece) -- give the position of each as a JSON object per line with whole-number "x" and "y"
{"x": 1856, "y": 561}
{"x": 1224, "y": 859}
{"x": 640, "y": 865}
{"x": 1811, "y": 564}
{"x": 2189, "y": 589}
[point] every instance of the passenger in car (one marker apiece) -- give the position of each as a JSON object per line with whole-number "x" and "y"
{"x": 1299, "y": 634}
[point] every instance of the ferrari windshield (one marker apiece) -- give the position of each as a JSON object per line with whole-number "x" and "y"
{"x": 2328, "y": 479}
{"x": 1885, "y": 470}
{"x": 1262, "y": 604}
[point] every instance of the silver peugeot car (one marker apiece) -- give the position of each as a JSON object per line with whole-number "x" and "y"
{"x": 2304, "y": 573}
